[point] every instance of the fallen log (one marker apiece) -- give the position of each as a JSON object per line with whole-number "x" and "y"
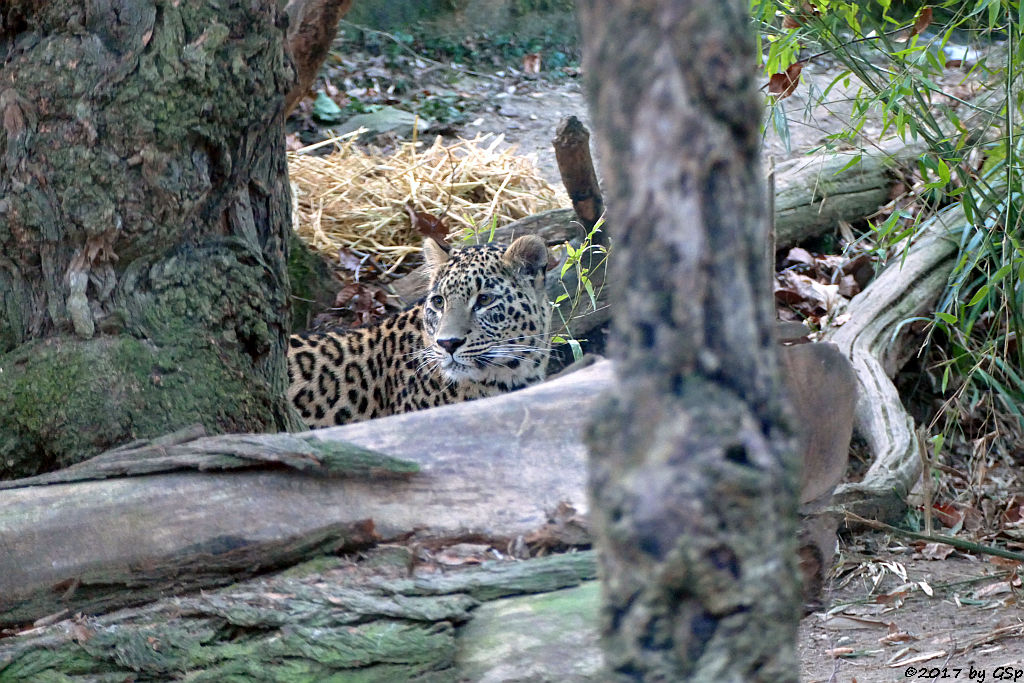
{"x": 495, "y": 468}
{"x": 875, "y": 339}
{"x": 814, "y": 192}
{"x": 328, "y": 618}
{"x": 135, "y": 528}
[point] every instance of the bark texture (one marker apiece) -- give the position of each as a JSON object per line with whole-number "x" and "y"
{"x": 333, "y": 619}
{"x": 312, "y": 25}
{"x": 693, "y": 478}
{"x": 144, "y": 208}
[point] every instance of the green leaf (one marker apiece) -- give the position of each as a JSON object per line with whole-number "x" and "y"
{"x": 978, "y": 296}
{"x": 326, "y": 110}
{"x": 945, "y": 317}
{"x": 577, "y": 350}
{"x": 590, "y": 290}
{"x": 1001, "y": 273}
{"x": 850, "y": 164}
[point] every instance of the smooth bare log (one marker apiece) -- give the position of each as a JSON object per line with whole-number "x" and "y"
{"x": 875, "y": 340}
{"x": 496, "y": 468}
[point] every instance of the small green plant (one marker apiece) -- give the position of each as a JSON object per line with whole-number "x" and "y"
{"x": 574, "y": 277}
{"x": 580, "y": 262}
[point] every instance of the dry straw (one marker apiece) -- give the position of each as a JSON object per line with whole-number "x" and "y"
{"x": 355, "y": 199}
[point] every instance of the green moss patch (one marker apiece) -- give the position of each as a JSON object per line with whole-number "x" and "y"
{"x": 69, "y": 399}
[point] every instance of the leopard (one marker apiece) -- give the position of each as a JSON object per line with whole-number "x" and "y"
{"x": 482, "y": 329}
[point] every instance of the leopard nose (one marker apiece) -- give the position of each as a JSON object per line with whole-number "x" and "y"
{"x": 451, "y": 344}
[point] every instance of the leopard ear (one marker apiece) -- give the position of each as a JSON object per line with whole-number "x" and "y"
{"x": 528, "y": 253}
{"x": 435, "y": 254}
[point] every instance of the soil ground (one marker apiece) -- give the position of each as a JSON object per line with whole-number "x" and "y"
{"x": 888, "y": 613}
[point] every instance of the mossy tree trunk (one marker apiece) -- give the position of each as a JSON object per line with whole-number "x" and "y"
{"x": 693, "y": 475}
{"x": 144, "y": 208}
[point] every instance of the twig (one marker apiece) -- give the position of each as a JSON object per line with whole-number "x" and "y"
{"x": 926, "y": 478}
{"x": 957, "y": 543}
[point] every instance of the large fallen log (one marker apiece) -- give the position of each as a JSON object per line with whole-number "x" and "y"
{"x": 814, "y": 192}
{"x": 495, "y": 468}
{"x": 875, "y": 339}
{"x": 333, "y": 619}
{"x": 141, "y": 521}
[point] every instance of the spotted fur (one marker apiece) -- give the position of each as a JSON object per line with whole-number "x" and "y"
{"x": 482, "y": 330}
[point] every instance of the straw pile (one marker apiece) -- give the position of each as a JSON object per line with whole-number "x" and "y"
{"x": 354, "y": 199}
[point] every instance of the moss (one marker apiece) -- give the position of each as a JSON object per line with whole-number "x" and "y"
{"x": 71, "y": 399}
{"x": 313, "y": 287}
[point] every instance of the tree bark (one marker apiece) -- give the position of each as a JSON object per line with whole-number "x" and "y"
{"x": 576, "y": 167}
{"x": 693, "y": 475}
{"x": 312, "y": 26}
{"x": 144, "y": 208}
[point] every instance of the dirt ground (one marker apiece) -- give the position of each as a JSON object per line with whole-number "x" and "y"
{"x": 889, "y": 613}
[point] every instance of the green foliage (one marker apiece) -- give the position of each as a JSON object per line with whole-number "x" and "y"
{"x": 578, "y": 288}
{"x": 972, "y": 164}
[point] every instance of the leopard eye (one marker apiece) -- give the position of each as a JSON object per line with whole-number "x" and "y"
{"x": 437, "y": 301}
{"x": 483, "y": 299}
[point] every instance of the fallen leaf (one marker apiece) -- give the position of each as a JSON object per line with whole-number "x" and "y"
{"x": 368, "y": 302}
{"x": 531, "y": 63}
{"x": 896, "y": 637}
{"x": 992, "y": 589}
{"x": 325, "y": 110}
{"x": 948, "y": 515}
{"x": 799, "y": 255}
{"x": 936, "y": 551}
{"x": 427, "y": 225}
{"x": 783, "y": 84}
{"x": 848, "y": 621}
{"x": 924, "y": 657}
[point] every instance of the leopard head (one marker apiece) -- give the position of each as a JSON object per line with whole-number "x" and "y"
{"x": 486, "y": 316}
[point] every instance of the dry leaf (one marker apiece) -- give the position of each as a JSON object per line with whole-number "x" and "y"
{"x": 368, "y": 302}
{"x": 799, "y": 255}
{"x": 992, "y": 589}
{"x": 936, "y": 551}
{"x": 896, "y": 637}
{"x": 923, "y": 19}
{"x": 948, "y": 515}
{"x": 428, "y": 225}
{"x": 783, "y": 84}
{"x": 531, "y": 63}
{"x": 924, "y": 657}
{"x": 849, "y": 621}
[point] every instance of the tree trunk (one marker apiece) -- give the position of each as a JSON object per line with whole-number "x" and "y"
{"x": 144, "y": 208}
{"x": 693, "y": 475}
